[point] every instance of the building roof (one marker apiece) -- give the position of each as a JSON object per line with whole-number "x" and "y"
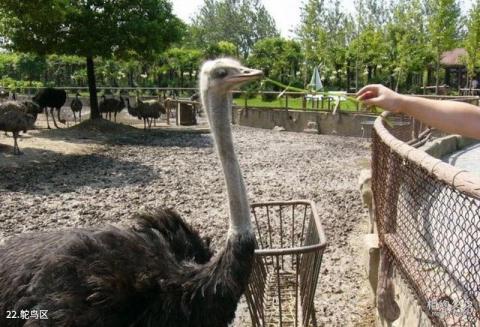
{"x": 453, "y": 57}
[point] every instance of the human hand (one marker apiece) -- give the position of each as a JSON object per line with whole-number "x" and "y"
{"x": 381, "y": 96}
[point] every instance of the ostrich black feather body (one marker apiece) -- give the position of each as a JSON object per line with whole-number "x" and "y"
{"x": 157, "y": 273}
{"x": 50, "y": 97}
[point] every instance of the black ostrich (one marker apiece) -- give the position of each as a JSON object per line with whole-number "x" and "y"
{"x": 111, "y": 105}
{"x": 157, "y": 273}
{"x": 53, "y": 99}
{"x": 76, "y": 105}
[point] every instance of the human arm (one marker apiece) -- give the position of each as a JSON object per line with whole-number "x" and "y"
{"x": 449, "y": 116}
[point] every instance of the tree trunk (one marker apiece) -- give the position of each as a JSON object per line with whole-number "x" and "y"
{"x": 437, "y": 75}
{"x": 92, "y": 89}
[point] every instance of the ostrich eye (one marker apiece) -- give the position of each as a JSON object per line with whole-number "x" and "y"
{"x": 220, "y": 73}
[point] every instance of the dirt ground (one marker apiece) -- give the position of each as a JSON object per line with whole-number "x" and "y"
{"x": 83, "y": 177}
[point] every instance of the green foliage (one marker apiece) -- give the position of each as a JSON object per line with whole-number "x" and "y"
{"x": 121, "y": 28}
{"x": 396, "y": 42}
{"x": 407, "y": 42}
{"x": 279, "y": 58}
{"x": 90, "y": 28}
{"x": 472, "y": 41}
{"x": 220, "y": 49}
{"x": 325, "y": 33}
{"x": 240, "y": 22}
{"x": 443, "y": 28}
{"x": 19, "y": 85}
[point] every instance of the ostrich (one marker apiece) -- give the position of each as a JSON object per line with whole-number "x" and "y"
{"x": 151, "y": 110}
{"x": 111, "y": 105}
{"x": 146, "y": 111}
{"x": 76, "y": 105}
{"x": 158, "y": 272}
{"x": 133, "y": 111}
{"x": 53, "y": 99}
{"x": 195, "y": 98}
{"x": 16, "y": 117}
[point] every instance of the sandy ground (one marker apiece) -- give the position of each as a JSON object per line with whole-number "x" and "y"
{"x": 75, "y": 177}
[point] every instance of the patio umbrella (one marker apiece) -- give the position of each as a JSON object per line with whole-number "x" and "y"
{"x": 315, "y": 81}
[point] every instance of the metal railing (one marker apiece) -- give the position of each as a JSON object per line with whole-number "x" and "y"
{"x": 257, "y": 99}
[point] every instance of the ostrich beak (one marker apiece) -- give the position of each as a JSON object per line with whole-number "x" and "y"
{"x": 245, "y": 75}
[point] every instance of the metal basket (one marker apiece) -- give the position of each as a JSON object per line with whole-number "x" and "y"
{"x": 287, "y": 264}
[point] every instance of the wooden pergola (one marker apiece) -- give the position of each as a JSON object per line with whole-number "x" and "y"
{"x": 455, "y": 69}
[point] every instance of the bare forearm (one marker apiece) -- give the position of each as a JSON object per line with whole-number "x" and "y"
{"x": 449, "y": 116}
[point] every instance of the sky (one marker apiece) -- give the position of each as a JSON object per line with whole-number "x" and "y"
{"x": 285, "y": 12}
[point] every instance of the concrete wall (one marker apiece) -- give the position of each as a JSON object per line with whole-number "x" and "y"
{"x": 411, "y": 314}
{"x": 345, "y": 124}
{"x": 441, "y": 147}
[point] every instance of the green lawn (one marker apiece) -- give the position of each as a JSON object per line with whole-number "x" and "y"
{"x": 294, "y": 104}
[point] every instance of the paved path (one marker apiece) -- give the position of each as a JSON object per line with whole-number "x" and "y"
{"x": 467, "y": 158}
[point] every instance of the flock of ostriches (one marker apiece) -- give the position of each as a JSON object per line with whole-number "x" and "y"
{"x": 159, "y": 272}
{"x": 20, "y": 116}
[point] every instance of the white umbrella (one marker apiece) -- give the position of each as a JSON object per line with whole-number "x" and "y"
{"x": 315, "y": 81}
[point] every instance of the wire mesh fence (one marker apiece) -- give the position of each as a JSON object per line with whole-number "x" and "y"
{"x": 428, "y": 218}
{"x": 287, "y": 264}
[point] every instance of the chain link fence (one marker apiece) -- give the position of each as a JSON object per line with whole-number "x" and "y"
{"x": 428, "y": 218}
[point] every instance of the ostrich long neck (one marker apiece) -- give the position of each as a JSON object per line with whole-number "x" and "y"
{"x": 219, "y": 111}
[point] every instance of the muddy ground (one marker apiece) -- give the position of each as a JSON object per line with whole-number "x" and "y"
{"x": 79, "y": 177}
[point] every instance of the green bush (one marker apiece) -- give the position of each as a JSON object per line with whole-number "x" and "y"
{"x": 19, "y": 85}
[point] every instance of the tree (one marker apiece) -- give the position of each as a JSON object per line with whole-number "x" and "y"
{"x": 30, "y": 67}
{"x": 278, "y": 58}
{"x": 339, "y": 28}
{"x": 240, "y": 22}
{"x": 443, "y": 29}
{"x": 222, "y": 48}
{"x": 90, "y": 28}
{"x": 181, "y": 61}
{"x": 407, "y": 40}
{"x": 472, "y": 41}
{"x": 312, "y": 35}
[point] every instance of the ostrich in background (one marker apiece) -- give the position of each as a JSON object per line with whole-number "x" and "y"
{"x": 76, "y": 105}
{"x": 111, "y": 105}
{"x": 53, "y": 99}
{"x": 157, "y": 273}
{"x": 16, "y": 117}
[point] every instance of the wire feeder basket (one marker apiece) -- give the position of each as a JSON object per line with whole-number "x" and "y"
{"x": 291, "y": 242}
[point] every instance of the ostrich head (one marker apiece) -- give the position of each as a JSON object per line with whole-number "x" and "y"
{"x": 223, "y": 74}
{"x": 33, "y": 108}
{"x": 217, "y": 79}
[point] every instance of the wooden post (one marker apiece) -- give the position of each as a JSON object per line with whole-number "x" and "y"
{"x": 286, "y": 101}
{"x": 177, "y": 116}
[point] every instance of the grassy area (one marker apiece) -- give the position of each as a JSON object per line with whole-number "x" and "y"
{"x": 294, "y": 104}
